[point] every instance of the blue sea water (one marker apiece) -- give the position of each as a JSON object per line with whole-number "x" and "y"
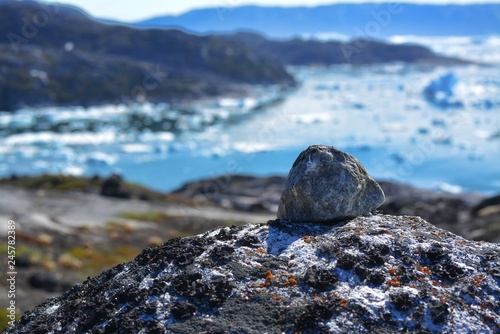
{"x": 447, "y": 140}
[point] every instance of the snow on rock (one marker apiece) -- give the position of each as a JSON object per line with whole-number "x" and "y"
{"x": 374, "y": 274}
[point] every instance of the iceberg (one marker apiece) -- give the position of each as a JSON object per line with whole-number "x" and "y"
{"x": 100, "y": 158}
{"x": 440, "y": 92}
{"x": 136, "y": 148}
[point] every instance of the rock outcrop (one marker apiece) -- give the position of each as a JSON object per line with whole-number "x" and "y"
{"x": 326, "y": 184}
{"x": 375, "y": 274}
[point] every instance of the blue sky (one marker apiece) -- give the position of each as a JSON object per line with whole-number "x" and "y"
{"x": 128, "y": 10}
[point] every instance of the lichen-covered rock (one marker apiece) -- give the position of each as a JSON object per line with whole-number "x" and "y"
{"x": 373, "y": 274}
{"x": 327, "y": 185}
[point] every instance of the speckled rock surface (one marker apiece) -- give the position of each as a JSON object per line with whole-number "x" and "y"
{"x": 375, "y": 274}
{"x": 327, "y": 185}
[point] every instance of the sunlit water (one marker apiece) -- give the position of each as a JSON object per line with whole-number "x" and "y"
{"x": 378, "y": 113}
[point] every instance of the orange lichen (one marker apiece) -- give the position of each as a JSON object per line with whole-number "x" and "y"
{"x": 261, "y": 251}
{"x": 343, "y": 303}
{"x": 394, "y": 282}
{"x": 392, "y": 271}
{"x": 269, "y": 279}
{"x": 425, "y": 270}
{"x": 307, "y": 239}
{"x": 477, "y": 281}
{"x": 269, "y": 275}
{"x": 416, "y": 251}
{"x": 290, "y": 281}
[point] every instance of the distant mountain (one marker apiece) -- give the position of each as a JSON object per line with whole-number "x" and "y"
{"x": 357, "y": 52}
{"x": 364, "y": 21}
{"x": 58, "y": 55}
{"x": 53, "y": 55}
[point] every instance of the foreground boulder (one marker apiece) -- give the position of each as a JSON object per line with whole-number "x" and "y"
{"x": 374, "y": 274}
{"x": 326, "y": 184}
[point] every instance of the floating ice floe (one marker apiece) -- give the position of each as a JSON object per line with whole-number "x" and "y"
{"x": 311, "y": 118}
{"x": 136, "y": 148}
{"x": 423, "y": 130}
{"x": 327, "y": 87}
{"x": 483, "y": 134}
{"x": 438, "y": 122}
{"x": 163, "y": 136}
{"x": 442, "y": 140}
{"x": 246, "y": 103}
{"x": 448, "y": 188}
{"x": 47, "y": 137}
{"x": 101, "y": 158}
{"x": 72, "y": 170}
{"x": 251, "y": 147}
{"x": 20, "y": 121}
{"x": 394, "y": 127}
{"x": 475, "y": 156}
{"x": 64, "y": 154}
{"x": 440, "y": 92}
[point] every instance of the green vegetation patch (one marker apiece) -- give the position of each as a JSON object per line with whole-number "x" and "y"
{"x": 93, "y": 261}
{"x": 156, "y": 217}
{"x": 53, "y": 182}
{"x": 4, "y": 320}
{"x": 94, "y": 185}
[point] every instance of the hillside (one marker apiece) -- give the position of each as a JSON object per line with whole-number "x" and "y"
{"x": 358, "y": 52}
{"x": 359, "y": 20}
{"x": 59, "y": 55}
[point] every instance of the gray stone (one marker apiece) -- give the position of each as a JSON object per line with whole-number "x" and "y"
{"x": 326, "y": 184}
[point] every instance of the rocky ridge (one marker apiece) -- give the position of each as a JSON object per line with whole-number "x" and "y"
{"x": 376, "y": 273}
